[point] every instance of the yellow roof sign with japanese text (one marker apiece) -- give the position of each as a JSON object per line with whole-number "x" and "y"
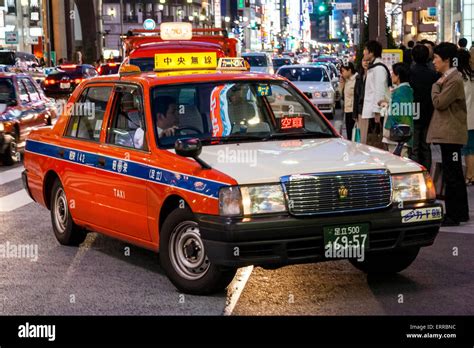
{"x": 185, "y": 61}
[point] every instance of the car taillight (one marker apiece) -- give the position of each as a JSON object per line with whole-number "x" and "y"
{"x": 99, "y": 70}
{"x": 49, "y": 82}
{"x": 78, "y": 81}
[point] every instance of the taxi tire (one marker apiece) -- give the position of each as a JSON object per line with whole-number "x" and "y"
{"x": 8, "y": 158}
{"x": 387, "y": 262}
{"x": 216, "y": 279}
{"x": 73, "y": 235}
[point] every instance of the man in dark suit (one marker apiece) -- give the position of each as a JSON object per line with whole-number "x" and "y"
{"x": 422, "y": 79}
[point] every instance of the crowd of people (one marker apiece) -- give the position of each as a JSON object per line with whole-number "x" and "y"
{"x": 431, "y": 91}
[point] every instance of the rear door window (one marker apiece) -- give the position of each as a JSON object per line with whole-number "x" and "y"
{"x": 87, "y": 113}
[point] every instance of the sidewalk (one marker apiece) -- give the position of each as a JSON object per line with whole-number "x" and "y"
{"x": 466, "y": 227}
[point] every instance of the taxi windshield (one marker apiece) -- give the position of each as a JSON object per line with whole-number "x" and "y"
{"x": 225, "y": 111}
{"x": 145, "y": 64}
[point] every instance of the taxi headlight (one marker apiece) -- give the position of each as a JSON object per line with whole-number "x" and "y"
{"x": 413, "y": 187}
{"x": 251, "y": 200}
{"x": 263, "y": 199}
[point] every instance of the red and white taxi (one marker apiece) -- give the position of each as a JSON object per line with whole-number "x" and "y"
{"x": 217, "y": 169}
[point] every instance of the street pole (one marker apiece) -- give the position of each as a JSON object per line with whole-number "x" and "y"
{"x": 48, "y": 41}
{"x": 122, "y": 53}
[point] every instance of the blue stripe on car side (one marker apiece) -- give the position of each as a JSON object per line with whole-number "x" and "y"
{"x": 132, "y": 169}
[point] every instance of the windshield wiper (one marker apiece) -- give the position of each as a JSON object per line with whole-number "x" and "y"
{"x": 299, "y": 135}
{"x": 232, "y": 137}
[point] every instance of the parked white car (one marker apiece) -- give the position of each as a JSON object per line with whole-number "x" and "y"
{"x": 315, "y": 83}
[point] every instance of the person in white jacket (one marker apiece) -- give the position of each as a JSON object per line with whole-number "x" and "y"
{"x": 376, "y": 87}
{"x": 468, "y": 77}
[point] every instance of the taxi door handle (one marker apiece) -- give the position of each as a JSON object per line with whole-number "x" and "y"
{"x": 101, "y": 161}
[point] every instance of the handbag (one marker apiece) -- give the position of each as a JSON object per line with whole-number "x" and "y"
{"x": 375, "y": 135}
{"x": 356, "y": 133}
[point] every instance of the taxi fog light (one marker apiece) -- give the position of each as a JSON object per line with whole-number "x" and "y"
{"x": 263, "y": 199}
{"x": 412, "y": 187}
{"x": 230, "y": 201}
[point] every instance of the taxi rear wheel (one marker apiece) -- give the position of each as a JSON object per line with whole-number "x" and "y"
{"x": 386, "y": 262}
{"x": 183, "y": 256}
{"x": 65, "y": 230}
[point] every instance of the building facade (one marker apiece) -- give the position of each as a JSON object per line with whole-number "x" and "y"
{"x": 420, "y": 20}
{"x": 457, "y": 20}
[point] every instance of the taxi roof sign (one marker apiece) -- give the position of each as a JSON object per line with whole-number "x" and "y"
{"x": 176, "y": 31}
{"x": 185, "y": 61}
{"x": 233, "y": 63}
{"x": 128, "y": 69}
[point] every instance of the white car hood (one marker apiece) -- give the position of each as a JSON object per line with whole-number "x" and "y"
{"x": 311, "y": 86}
{"x": 267, "y": 162}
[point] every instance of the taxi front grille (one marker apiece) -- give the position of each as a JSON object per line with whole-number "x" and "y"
{"x": 330, "y": 193}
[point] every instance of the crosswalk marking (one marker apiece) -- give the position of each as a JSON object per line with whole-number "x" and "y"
{"x": 10, "y": 175}
{"x": 14, "y": 201}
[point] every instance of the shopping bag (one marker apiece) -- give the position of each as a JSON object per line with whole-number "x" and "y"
{"x": 356, "y": 133}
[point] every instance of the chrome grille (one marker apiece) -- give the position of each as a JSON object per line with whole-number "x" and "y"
{"x": 314, "y": 194}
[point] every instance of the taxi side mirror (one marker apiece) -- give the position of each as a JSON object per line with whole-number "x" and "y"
{"x": 190, "y": 148}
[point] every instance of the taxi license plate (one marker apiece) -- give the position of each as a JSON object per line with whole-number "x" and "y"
{"x": 347, "y": 236}
{"x": 65, "y": 85}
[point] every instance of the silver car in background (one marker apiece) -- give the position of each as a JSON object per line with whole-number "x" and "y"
{"x": 259, "y": 62}
{"x": 315, "y": 83}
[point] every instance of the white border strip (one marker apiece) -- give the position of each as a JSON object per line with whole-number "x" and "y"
{"x": 235, "y": 289}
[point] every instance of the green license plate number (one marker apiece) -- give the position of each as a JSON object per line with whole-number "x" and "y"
{"x": 347, "y": 236}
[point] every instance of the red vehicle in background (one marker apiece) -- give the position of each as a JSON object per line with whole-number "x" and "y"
{"x": 108, "y": 69}
{"x": 141, "y": 46}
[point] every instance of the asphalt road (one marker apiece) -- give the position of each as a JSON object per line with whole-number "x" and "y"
{"x": 98, "y": 278}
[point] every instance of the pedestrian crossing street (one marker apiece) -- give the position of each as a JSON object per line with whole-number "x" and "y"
{"x": 11, "y": 176}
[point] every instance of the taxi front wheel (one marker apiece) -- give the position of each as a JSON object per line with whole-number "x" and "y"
{"x": 386, "y": 262}
{"x": 183, "y": 256}
{"x": 65, "y": 230}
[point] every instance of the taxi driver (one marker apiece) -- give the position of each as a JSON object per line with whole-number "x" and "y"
{"x": 167, "y": 116}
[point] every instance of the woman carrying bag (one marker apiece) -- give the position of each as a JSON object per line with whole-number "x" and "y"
{"x": 358, "y": 103}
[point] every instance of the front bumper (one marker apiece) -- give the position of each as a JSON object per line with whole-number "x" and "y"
{"x": 280, "y": 240}
{"x": 326, "y": 106}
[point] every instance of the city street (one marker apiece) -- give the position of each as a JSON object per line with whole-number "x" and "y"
{"x": 102, "y": 276}
{"x": 185, "y": 164}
